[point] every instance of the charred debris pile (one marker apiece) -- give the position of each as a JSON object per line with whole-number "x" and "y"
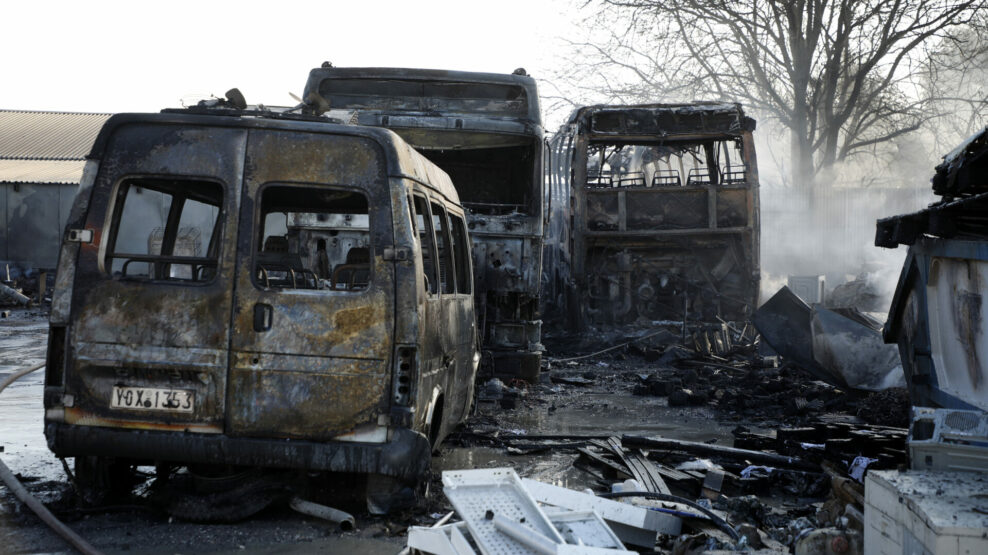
{"x": 800, "y": 447}
{"x": 729, "y": 367}
{"x": 19, "y": 288}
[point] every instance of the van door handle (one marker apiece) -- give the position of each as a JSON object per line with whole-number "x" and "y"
{"x": 262, "y": 317}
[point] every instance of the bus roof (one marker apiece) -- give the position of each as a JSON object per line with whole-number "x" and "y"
{"x": 425, "y": 91}
{"x": 697, "y": 118}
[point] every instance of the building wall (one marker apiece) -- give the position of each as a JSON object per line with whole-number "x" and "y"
{"x": 32, "y": 219}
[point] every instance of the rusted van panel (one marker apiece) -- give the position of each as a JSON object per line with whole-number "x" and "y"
{"x": 229, "y": 282}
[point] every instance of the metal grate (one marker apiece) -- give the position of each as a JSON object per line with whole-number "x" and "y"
{"x": 962, "y": 421}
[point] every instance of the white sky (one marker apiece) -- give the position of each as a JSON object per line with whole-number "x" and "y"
{"x": 110, "y": 56}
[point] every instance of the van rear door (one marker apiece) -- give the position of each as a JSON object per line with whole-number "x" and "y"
{"x": 313, "y": 318}
{"x": 152, "y": 295}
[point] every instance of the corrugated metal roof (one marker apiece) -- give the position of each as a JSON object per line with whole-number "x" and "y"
{"x": 30, "y": 135}
{"x": 41, "y": 171}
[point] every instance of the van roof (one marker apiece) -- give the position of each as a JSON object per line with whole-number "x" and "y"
{"x": 402, "y": 160}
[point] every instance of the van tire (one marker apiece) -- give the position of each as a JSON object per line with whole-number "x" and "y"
{"x": 251, "y": 496}
{"x": 385, "y": 494}
{"x": 102, "y": 480}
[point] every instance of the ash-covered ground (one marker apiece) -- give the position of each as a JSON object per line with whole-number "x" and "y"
{"x": 648, "y": 388}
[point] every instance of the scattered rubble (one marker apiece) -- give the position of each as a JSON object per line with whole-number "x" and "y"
{"x": 886, "y": 408}
{"x": 785, "y": 475}
{"x": 792, "y": 477}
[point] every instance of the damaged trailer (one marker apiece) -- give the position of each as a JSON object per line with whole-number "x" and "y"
{"x": 937, "y": 319}
{"x": 256, "y": 289}
{"x": 485, "y": 131}
{"x": 653, "y": 215}
{"x": 938, "y": 314}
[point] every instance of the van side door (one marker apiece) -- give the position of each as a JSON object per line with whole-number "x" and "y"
{"x": 313, "y": 317}
{"x": 462, "y": 312}
{"x": 430, "y": 329}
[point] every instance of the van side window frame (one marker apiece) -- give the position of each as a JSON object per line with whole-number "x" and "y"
{"x": 461, "y": 254}
{"x": 208, "y": 263}
{"x": 431, "y": 278}
{"x": 446, "y": 286}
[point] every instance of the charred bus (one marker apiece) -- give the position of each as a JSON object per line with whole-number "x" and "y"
{"x": 253, "y": 290}
{"x": 485, "y": 131}
{"x": 654, "y": 215}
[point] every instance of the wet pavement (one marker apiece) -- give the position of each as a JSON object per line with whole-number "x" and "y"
{"x": 23, "y": 341}
{"x": 605, "y": 407}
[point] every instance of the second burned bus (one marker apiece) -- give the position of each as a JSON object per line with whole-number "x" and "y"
{"x": 655, "y": 216}
{"x": 485, "y": 131}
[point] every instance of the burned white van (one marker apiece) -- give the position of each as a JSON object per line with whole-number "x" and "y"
{"x": 260, "y": 290}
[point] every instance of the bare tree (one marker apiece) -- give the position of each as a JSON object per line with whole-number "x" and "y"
{"x": 955, "y": 80}
{"x": 835, "y": 73}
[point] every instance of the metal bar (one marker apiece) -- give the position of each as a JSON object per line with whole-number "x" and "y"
{"x": 696, "y": 232}
{"x": 729, "y": 452}
{"x": 622, "y": 199}
{"x": 14, "y": 294}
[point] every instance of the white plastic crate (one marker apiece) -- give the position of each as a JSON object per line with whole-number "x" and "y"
{"x": 478, "y": 494}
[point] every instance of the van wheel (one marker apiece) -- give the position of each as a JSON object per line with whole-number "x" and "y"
{"x": 100, "y": 480}
{"x": 185, "y": 499}
{"x": 385, "y": 494}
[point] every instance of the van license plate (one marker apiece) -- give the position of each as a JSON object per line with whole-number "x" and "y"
{"x": 152, "y": 398}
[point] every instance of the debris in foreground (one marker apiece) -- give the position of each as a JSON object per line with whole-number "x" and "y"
{"x": 500, "y": 515}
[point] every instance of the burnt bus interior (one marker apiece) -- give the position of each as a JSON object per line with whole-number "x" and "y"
{"x": 666, "y": 164}
{"x": 493, "y": 180}
{"x": 688, "y": 168}
{"x": 667, "y": 187}
{"x": 484, "y": 130}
